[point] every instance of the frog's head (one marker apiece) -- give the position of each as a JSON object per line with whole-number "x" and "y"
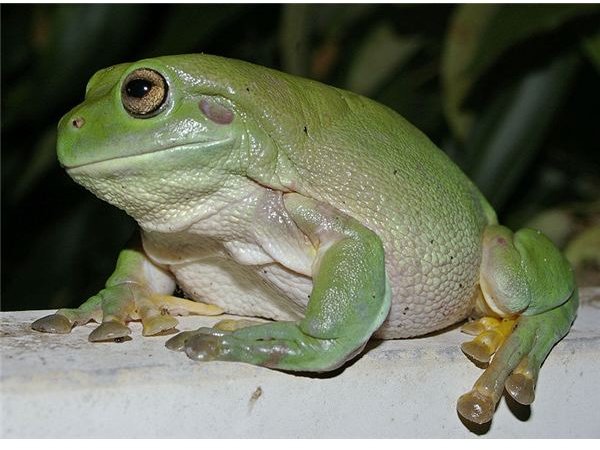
{"x": 158, "y": 137}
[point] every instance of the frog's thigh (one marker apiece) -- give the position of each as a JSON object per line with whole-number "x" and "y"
{"x": 525, "y": 277}
{"x": 349, "y": 301}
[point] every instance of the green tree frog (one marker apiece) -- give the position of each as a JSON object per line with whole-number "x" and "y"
{"x": 263, "y": 194}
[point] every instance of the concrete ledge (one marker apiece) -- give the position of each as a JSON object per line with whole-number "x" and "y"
{"x": 63, "y": 386}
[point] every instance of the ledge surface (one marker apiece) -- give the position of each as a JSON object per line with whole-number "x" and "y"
{"x": 64, "y": 386}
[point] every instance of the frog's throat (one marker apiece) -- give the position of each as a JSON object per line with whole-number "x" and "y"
{"x": 158, "y": 189}
{"x": 97, "y": 163}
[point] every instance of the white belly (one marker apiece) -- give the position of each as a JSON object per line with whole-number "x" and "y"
{"x": 270, "y": 290}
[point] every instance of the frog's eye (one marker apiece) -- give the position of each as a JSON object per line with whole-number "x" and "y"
{"x": 143, "y": 93}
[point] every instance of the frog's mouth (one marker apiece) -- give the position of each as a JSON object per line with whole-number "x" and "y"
{"x": 169, "y": 152}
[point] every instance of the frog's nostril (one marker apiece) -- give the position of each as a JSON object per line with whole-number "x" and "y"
{"x": 78, "y": 122}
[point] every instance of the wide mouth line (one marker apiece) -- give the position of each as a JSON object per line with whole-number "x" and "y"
{"x": 157, "y": 150}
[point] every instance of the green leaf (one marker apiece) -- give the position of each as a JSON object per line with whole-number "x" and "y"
{"x": 591, "y": 46}
{"x": 295, "y": 30}
{"x": 514, "y": 23}
{"x": 510, "y": 131}
{"x": 181, "y": 33}
{"x": 464, "y": 36}
{"x": 381, "y": 54}
{"x": 42, "y": 160}
{"x": 310, "y": 36}
{"x": 68, "y": 56}
{"x": 478, "y": 37}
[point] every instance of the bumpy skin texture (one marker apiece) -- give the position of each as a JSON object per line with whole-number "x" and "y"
{"x": 274, "y": 196}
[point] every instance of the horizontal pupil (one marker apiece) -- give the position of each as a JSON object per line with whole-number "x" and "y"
{"x": 138, "y": 88}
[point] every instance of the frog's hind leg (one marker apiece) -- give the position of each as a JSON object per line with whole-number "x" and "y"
{"x": 522, "y": 275}
{"x": 349, "y": 301}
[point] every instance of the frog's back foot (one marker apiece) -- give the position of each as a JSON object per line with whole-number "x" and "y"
{"x": 524, "y": 276}
{"x": 517, "y": 363}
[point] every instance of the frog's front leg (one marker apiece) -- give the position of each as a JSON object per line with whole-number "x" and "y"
{"x": 137, "y": 289}
{"x": 523, "y": 275}
{"x": 349, "y": 301}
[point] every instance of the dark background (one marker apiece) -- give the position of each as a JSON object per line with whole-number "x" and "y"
{"x": 512, "y": 93}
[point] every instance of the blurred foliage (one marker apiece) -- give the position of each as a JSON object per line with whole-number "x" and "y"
{"x": 511, "y": 92}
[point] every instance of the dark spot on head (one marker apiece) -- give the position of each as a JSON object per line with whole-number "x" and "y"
{"x": 501, "y": 240}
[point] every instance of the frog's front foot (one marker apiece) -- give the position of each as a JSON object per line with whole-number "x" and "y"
{"x": 135, "y": 291}
{"x": 116, "y": 305}
{"x": 280, "y": 345}
{"x": 523, "y": 276}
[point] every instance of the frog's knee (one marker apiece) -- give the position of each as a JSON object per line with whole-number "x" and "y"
{"x": 522, "y": 272}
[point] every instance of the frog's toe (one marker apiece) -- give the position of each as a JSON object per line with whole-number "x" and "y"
{"x": 157, "y": 312}
{"x": 168, "y": 304}
{"x": 521, "y": 387}
{"x": 157, "y": 324}
{"x": 109, "y": 331}
{"x": 476, "y": 327}
{"x": 178, "y": 342}
{"x": 208, "y": 347}
{"x": 490, "y": 334}
{"x": 478, "y": 350}
{"x": 54, "y": 323}
{"x": 63, "y": 321}
{"x": 476, "y": 407}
